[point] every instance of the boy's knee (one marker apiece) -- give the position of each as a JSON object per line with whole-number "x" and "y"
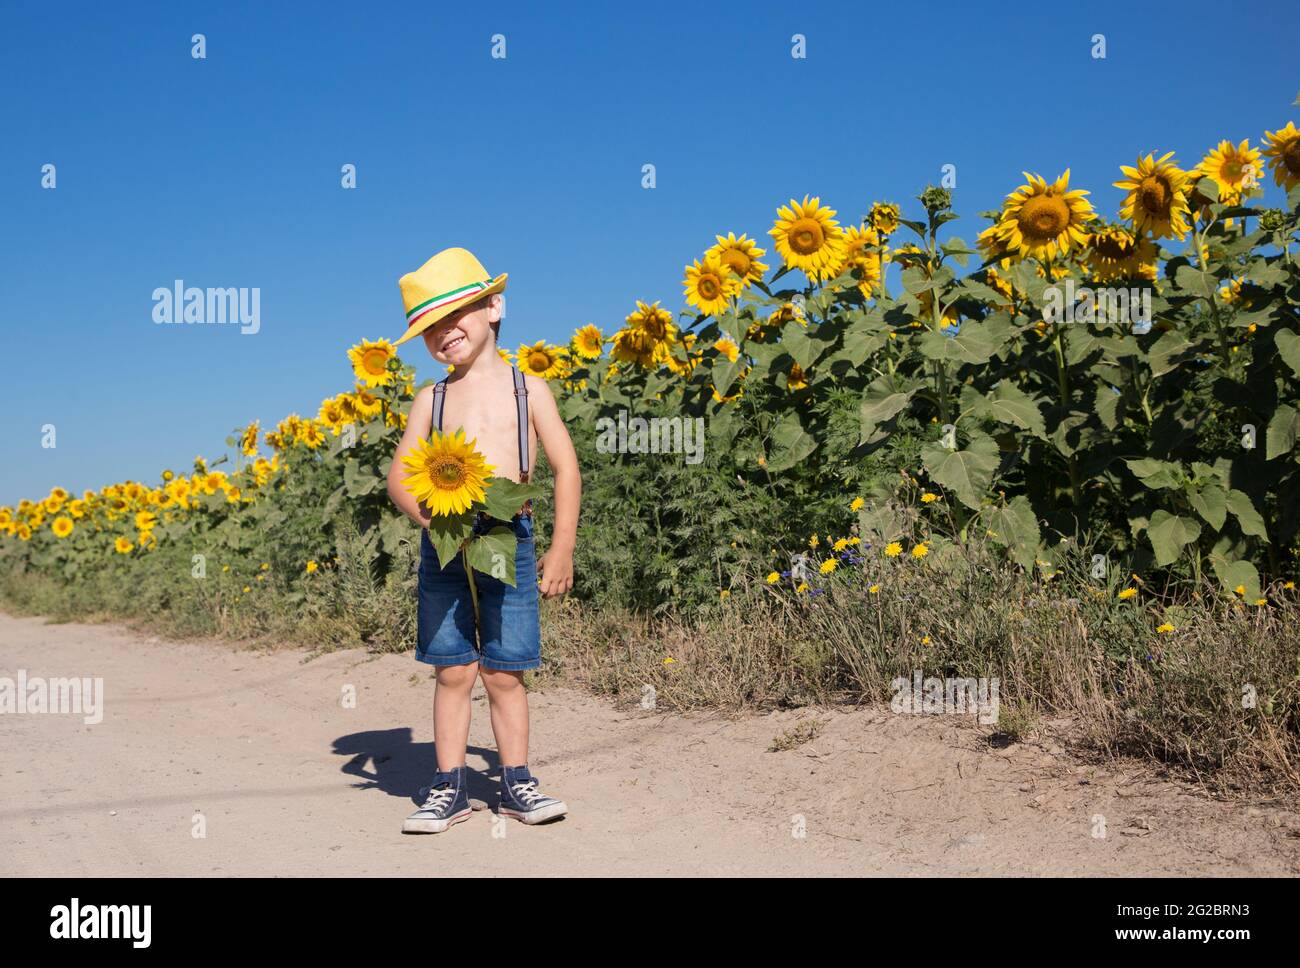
{"x": 458, "y": 676}
{"x": 501, "y": 680}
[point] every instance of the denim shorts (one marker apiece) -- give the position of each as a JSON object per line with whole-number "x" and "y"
{"x": 509, "y": 630}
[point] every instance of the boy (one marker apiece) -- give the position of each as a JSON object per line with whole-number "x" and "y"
{"x": 455, "y": 305}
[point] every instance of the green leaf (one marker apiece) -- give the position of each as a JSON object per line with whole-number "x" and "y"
{"x": 505, "y": 497}
{"x": 494, "y": 554}
{"x": 448, "y": 533}
{"x": 967, "y": 473}
{"x": 937, "y": 346}
{"x": 725, "y": 372}
{"x": 1191, "y": 280}
{"x": 975, "y": 343}
{"x": 791, "y": 443}
{"x": 1210, "y": 501}
{"x": 1010, "y": 404}
{"x": 1168, "y": 352}
{"x": 1107, "y": 403}
{"x": 1282, "y": 431}
{"x": 859, "y": 345}
{"x": 357, "y": 479}
{"x": 1016, "y": 528}
{"x": 732, "y": 326}
{"x": 799, "y": 344}
{"x": 1169, "y": 534}
{"x": 393, "y": 530}
{"x": 1156, "y": 474}
{"x": 879, "y": 406}
{"x": 1237, "y": 574}
{"x": 1240, "y": 504}
{"x": 1288, "y": 347}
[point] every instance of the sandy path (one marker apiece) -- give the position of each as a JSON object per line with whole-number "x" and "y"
{"x": 288, "y": 781}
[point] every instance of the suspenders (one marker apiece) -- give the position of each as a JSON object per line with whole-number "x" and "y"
{"x": 521, "y": 409}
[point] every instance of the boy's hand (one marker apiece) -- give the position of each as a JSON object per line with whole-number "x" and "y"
{"x": 555, "y": 572}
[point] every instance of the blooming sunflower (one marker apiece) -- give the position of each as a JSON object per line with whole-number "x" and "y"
{"x": 796, "y": 379}
{"x": 883, "y": 218}
{"x": 370, "y": 362}
{"x": 1115, "y": 253}
{"x": 861, "y": 251}
{"x": 999, "y": 285}
{"x": 446, "y": 473}
{"x": 123, "y": 546}
{"x": 741, "y": 256}
{"x": 648, "y": 338}
{"x": 710, "y": 285}
{"x": 808, "y": 238}
{"x": 61, "y": 526}
{"x": 1283, "y": 154}
{"x": 1234, "y": 168}
{"x": 1040, "y": 219}
{"x": 589, "y": 342}
{"x": 991, "y": 246}
{"x": 542, "y": 360}
{"x": 331, "y": 415}
{"x": 311, "y": 434}
{"x": 1157, "y": 196}
{"x": 728, "y": 349}
{"x": 248, "y": 440}
{"x": 366, "y": 405}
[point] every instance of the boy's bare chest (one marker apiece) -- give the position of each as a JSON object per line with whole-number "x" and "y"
{"x": 493, "y": 423}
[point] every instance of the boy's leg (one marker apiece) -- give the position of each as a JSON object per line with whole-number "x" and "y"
{"x": 508, "y": 703}
{"x": 451, "y": 713}
{"x": 511, "y": 638}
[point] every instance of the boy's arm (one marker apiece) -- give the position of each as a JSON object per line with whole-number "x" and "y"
{"x": 418, "y": 423}
{"x": 556, "y": 566}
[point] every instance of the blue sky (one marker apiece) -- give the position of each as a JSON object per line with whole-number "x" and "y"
{"x": 226, "y": 171}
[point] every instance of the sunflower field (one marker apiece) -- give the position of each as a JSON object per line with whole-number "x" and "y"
{"x": 1061, "y": 380}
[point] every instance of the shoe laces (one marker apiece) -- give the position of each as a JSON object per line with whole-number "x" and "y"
{"x": 526, "y": 790}
{"x": 439, "y": 797}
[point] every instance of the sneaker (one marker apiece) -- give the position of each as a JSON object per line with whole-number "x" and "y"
{"x": 446, "y": 803}
{"x": 521, "y": 799}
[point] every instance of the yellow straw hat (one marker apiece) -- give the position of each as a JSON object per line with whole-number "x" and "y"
{"x": 449, "y": 280}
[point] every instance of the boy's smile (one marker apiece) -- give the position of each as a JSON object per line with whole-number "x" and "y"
{"x": 461, "y": 336}
{"x": 452, "y": 339}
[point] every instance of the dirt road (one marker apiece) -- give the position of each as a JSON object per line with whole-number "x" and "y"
{"x": 259, "y": 752}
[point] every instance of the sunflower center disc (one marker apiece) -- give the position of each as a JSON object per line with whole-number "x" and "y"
{"x": 1154, "y": 195}
{"x": 1291, "y": 157}
{"x": 1044, "y": 217}
{"x": 449, "y": 474}
{"x": 806, "y": 237}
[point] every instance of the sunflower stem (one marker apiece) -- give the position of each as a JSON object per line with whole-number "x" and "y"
{"x": 473, "y": 588}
